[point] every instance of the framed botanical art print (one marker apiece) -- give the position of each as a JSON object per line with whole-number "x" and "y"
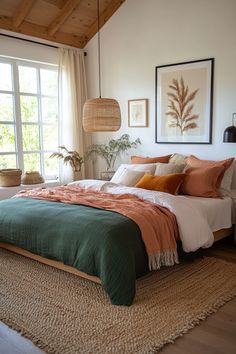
{"x": 184, "y": 94}
{"x": 138, "y": 113}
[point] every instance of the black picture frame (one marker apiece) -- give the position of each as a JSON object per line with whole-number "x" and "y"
{"x": 189, "y": 125}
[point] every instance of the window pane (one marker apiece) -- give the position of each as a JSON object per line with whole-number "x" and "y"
{"x": 6, "y": 107}
{"x": 30, "y": 135}
{"x": 7, "y": 161}
{"x": 29, "y": 108}
{"x": 49, "y": 110}
{"x": 5, "y": 77}
{"x": 51, "y": 166}
{"x": 50, "y": 137}
{"x": 49, "y": 84}
{"x": 7, "y": 138}
{"x": 28, "y": 79}
{"x": 31, "y": 162}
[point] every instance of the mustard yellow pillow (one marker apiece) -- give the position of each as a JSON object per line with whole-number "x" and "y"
{"x": 167, "y": 183}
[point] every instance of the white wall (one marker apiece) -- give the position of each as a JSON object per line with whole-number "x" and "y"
{"x": 144, "y": 34}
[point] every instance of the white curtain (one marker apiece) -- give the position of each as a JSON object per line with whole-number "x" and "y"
{"x": 72, "y": 96}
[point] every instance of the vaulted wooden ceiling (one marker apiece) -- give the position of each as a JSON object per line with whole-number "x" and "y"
{"x": 71, "y": 22}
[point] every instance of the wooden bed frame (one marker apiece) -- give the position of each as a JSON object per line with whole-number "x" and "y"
{"x": 50, "y": 262}
{"x": 218, "y": 235}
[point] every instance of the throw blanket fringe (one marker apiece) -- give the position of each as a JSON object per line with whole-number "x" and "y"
{"x": 166, "y": 258}
{"x": 157, "y": 224}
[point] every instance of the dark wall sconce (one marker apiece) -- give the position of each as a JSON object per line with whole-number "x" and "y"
{"x": 230, "y": 132}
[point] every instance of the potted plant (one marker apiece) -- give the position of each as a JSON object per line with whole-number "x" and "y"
{"x": 110, "y": 151}
{"x": 72, "y": 158}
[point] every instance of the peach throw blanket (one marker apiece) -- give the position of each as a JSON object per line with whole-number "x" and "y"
{"x": 157, "y": 224}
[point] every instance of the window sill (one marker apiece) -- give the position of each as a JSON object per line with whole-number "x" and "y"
{"x": 8, "y": 192}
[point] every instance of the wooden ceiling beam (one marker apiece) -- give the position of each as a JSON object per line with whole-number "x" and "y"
{"x": 22, "y": 11}
{"x": 65, "y": 12}
{"x": 57, "y": 3}
{"x": 103, "y": 18}
{"x": 38, "y": 31}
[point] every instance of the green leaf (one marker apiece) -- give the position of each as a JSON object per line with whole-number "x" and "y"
{"x": 114, "y": 148}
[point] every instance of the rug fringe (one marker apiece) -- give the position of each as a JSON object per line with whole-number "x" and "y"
{"x": 197, "y": 321}
{"x": 163, "y": 258}
{"x": 154, "y": 350}
{"x": 47, "y": 348}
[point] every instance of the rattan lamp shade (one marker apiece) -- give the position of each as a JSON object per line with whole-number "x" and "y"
{"x": 101, "y": 115}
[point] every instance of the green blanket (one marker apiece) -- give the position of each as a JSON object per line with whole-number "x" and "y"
{"x": 98, "y": 242}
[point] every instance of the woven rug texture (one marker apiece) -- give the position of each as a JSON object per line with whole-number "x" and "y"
{"x": 62, "y": 313}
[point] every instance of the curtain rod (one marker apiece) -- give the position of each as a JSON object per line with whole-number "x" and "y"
{"x": 31, "y": 41}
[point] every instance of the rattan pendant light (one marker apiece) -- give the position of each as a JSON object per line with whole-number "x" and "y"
{"x": 101, "y": 114}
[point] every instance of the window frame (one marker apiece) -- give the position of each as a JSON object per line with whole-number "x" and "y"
{"x": 17, "y": 119}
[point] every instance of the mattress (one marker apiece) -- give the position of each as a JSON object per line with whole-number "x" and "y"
{"x": 218, "y": 212}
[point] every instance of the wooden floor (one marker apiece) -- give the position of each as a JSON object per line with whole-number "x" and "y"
{"x": 215, "y": 335}
{"x": 11, "y": 342}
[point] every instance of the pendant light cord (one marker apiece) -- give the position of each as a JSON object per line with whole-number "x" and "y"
{"x": 99, "y": 51}
{"x": 233, "y": 115}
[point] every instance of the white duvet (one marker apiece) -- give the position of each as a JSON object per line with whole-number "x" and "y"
{"x": 194, "y": 229}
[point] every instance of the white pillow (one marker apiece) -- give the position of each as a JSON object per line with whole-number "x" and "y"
{"x": 168, "y": 168}
{"x": 129, "y": 177}
{"x": 147, "y": 167}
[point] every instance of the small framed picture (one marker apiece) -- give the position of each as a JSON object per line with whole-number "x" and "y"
{"x": 138, "y": 113}
{"x": 184, "y": 95}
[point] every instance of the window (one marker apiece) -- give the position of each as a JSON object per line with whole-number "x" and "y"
{"x": 28, "y": 116}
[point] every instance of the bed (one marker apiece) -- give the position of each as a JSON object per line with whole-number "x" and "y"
{"x": 114, "y": 253}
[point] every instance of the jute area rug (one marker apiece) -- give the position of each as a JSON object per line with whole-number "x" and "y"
{"x": 62, "y": 313}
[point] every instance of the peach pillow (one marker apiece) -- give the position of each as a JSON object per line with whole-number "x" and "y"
{"x": 167, "y": 183}
{"x": 202, "y": 181}
{"x": 139, "y": 159}
{"x": 193, "y": 161}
